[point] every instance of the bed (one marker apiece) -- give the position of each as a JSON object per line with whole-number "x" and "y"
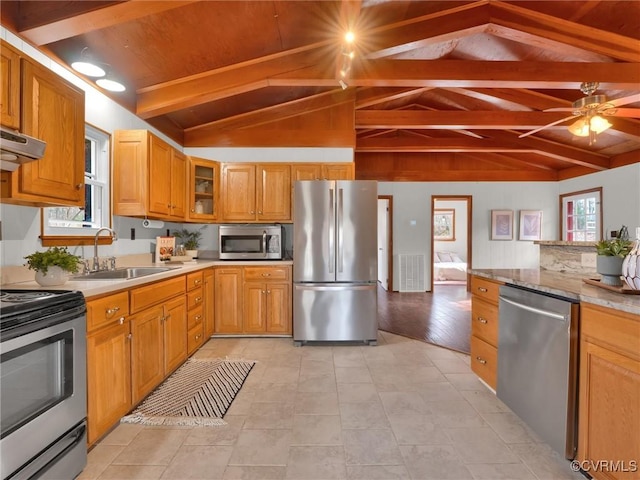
{"x": 448, "y": 266}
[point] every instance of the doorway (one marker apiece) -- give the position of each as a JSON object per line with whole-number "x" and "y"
{"x": 385, "y": 242}
{"x": 451, "y": 240}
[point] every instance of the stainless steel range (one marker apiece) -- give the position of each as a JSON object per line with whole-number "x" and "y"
{"x": 42, "y": 384}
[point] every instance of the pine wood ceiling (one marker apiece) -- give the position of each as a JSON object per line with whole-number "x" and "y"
{"x": 438, "y": 91}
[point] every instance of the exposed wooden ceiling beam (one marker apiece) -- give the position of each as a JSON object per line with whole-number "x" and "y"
{"x": 97, "y": 19}
{"x": 453, "y": 119}
{"x": 367, "y": 98}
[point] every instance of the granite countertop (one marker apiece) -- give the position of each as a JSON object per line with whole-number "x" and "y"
{"x": 94, "y": 288}
{"x": 565, "y": 285}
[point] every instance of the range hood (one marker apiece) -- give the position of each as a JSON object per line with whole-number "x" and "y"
{"x": 17, "y": 148}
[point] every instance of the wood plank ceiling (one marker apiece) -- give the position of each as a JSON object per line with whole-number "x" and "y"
{"x": 437, "y": 90}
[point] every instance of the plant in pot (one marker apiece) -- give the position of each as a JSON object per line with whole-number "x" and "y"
{"x": 610, "y": 256}
{"x": 190, "y": 239}
{"x": 53, "y": 266}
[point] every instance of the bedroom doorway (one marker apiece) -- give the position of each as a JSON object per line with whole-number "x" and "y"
{"x": 451, "y": 240}
{"x": 385, "y": 241}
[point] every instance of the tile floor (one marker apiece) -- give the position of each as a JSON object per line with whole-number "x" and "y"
{"x": 403, "y": 409}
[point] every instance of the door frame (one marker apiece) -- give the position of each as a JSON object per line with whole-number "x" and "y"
{"x": 390, "y": 243}
{"x": 469, "y": 200}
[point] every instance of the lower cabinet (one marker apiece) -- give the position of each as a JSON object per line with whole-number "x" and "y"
{"x": 253, "y": 300}
{"x": 609, "y": 398}
{"x": 147, "y": 349}
{"x": 208, "y": 307}
{"x": 484, "y": 329}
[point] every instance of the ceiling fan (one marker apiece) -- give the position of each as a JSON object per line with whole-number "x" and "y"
{"x": 592, "y": 111}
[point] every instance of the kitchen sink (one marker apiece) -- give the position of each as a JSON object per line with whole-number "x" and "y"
{"x": 122, "y": 273}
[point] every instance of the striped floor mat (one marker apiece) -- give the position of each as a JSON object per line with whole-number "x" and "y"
{"x": 198, "y": 393}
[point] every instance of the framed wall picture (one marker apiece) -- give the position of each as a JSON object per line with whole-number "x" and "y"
{"x": 530, "y": 225}
{"x": 444, "y": 224}
{"x": 501, "y": 224}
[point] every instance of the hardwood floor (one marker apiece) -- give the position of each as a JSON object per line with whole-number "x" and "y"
{"x": 442, "y": 317}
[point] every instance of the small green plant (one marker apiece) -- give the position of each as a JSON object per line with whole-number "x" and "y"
{"x": 618, "y": 246}
{"x": 190, "y": 239}
{"x": 54, "y": 256}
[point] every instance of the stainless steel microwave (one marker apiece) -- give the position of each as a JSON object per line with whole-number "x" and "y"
{"x": 250, "y": 242}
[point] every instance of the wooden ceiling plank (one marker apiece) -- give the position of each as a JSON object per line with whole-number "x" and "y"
{"x": 564, "y": 31}
{"x": 432, "y": 175}
{"x": 98, "y": 19}
{"x": 368, "y": 99}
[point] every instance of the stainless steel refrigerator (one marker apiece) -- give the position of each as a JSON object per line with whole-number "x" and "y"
{"x": 335, "y": 261}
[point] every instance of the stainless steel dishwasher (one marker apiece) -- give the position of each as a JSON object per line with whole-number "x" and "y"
{"x": 537, "y": 363}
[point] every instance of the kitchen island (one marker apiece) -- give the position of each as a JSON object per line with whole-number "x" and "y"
{"x": 609, "y": 365}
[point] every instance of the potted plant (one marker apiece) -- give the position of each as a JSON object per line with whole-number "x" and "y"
{"x": 53, "y": 266}
{"x": 610, "y": 256}
{"x": 190, "y": 239}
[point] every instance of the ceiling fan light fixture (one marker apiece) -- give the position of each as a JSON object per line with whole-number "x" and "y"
{"x": 110, "y": 84}
{"x": 599, "y": 124}
{"x": 580, "y": 128}
{"x": 89, "y": 69}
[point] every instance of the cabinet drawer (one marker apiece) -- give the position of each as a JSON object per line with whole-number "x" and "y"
{"x": 194, "y": 298}
{"x": 107, "y": 310}
{"x": 194, "y": 280}
{"x": 148, "y": 295}
{"x": 194, "y": 318}
{"x": 195, "y": 338}
{"x": 266, "y": 273}
{"x": 613, "y": 329}
{"x": 484, "y": 361}
{"x": 484, "y": 321}
{"x": 486, "y": 289}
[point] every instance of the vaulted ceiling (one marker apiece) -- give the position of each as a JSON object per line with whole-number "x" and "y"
{"x": 437, "y": 90}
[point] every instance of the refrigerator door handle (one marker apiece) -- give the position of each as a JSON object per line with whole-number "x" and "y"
{"x": 340, "y": 230}
{"x": 332, "y": 224}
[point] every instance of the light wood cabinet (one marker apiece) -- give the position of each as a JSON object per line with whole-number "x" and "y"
{"x": 149, "y": 177}
{"x": 228, "y": 300}
{"x": 10, "y": 93}
{"x": 484, "y": 329}
{"x": 267, "y": 300}
{"x": 209, "y": 299}
{"x": 108, "y": 363}
{"x": 253, "y": 300}
{"x": 204, "y": 184}
{"x": 609, "y": 396}
{"x": 256, "y": 192}
{"x": 51, "y": 110}
{"x": 322, "y": 171}
{"x": 147, "y": 351}
{"x": 195, "y": 315}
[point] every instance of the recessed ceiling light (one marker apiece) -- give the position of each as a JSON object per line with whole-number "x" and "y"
{"x": 88, "y": 69}
{"x": 110, "y": 85}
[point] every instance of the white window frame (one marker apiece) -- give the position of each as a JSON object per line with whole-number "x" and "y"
{"x": 566, "y": 198}
{"x": 98, "y": 179}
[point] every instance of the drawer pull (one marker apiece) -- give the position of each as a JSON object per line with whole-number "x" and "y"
{"x": 198, "y": 317}
{"x": 198, "y": 299}
{"x": 266, "y": 274}
{"x": 481, "y": 360}
{"x": 483, "y": 290}
{"x": 198, "y": 337}
{"x": 196, "y": 282}
{"x": 482, "y": 320}
{"x": 111, "y": 311}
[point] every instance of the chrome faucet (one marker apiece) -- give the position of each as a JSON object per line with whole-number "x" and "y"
{"x": 96, "y": 259}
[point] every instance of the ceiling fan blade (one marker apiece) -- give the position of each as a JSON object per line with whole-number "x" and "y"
{"x": 545, "y": 126}
{"x": 559, "y": 109}
{"x": 627, "y": 112}
{"x": 625, "y": 100}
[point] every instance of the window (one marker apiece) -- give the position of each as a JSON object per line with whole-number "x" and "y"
{"x": 61, "y": 225}
{"x": 582, "y": 216}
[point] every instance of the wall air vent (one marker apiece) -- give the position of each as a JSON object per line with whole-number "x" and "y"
{"x": 411, "y": 272}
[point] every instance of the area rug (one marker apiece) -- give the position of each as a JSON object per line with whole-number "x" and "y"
{"x": 198, "y": 393}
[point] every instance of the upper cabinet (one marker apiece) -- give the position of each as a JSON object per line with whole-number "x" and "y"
{"x": 149, "y": 177}
{"x": 204, "y": 181}
{"x": 50, "y": 109}
{"x": 256, "y": 192}
{"x": 322, "y": 171}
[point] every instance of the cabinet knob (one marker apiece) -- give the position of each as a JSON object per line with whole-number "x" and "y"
{"x": 111, "y": 311}
{"x": 266, "y": 274}
{"x": 482, "y": 320}
{"x": 252, "y": 212}
{"x": 481, "y": 360}
{"x": 79, "y": 186}
{"x": 193, "y": 209}
{"x": 198, "y": 317}
{"x": 121, "y": 320}
{"x": 259, "y": 212}
{"x": 482, "y": 289}
{"x": 196, "y": 282}
{"x": 129, "y": 337}
{"x": 268, "y": 291}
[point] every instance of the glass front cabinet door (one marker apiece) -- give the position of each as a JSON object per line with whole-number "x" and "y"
{"x": 203, "y": 189}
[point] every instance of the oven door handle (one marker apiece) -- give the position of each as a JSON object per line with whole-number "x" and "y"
{"x": 43, "y": 462}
